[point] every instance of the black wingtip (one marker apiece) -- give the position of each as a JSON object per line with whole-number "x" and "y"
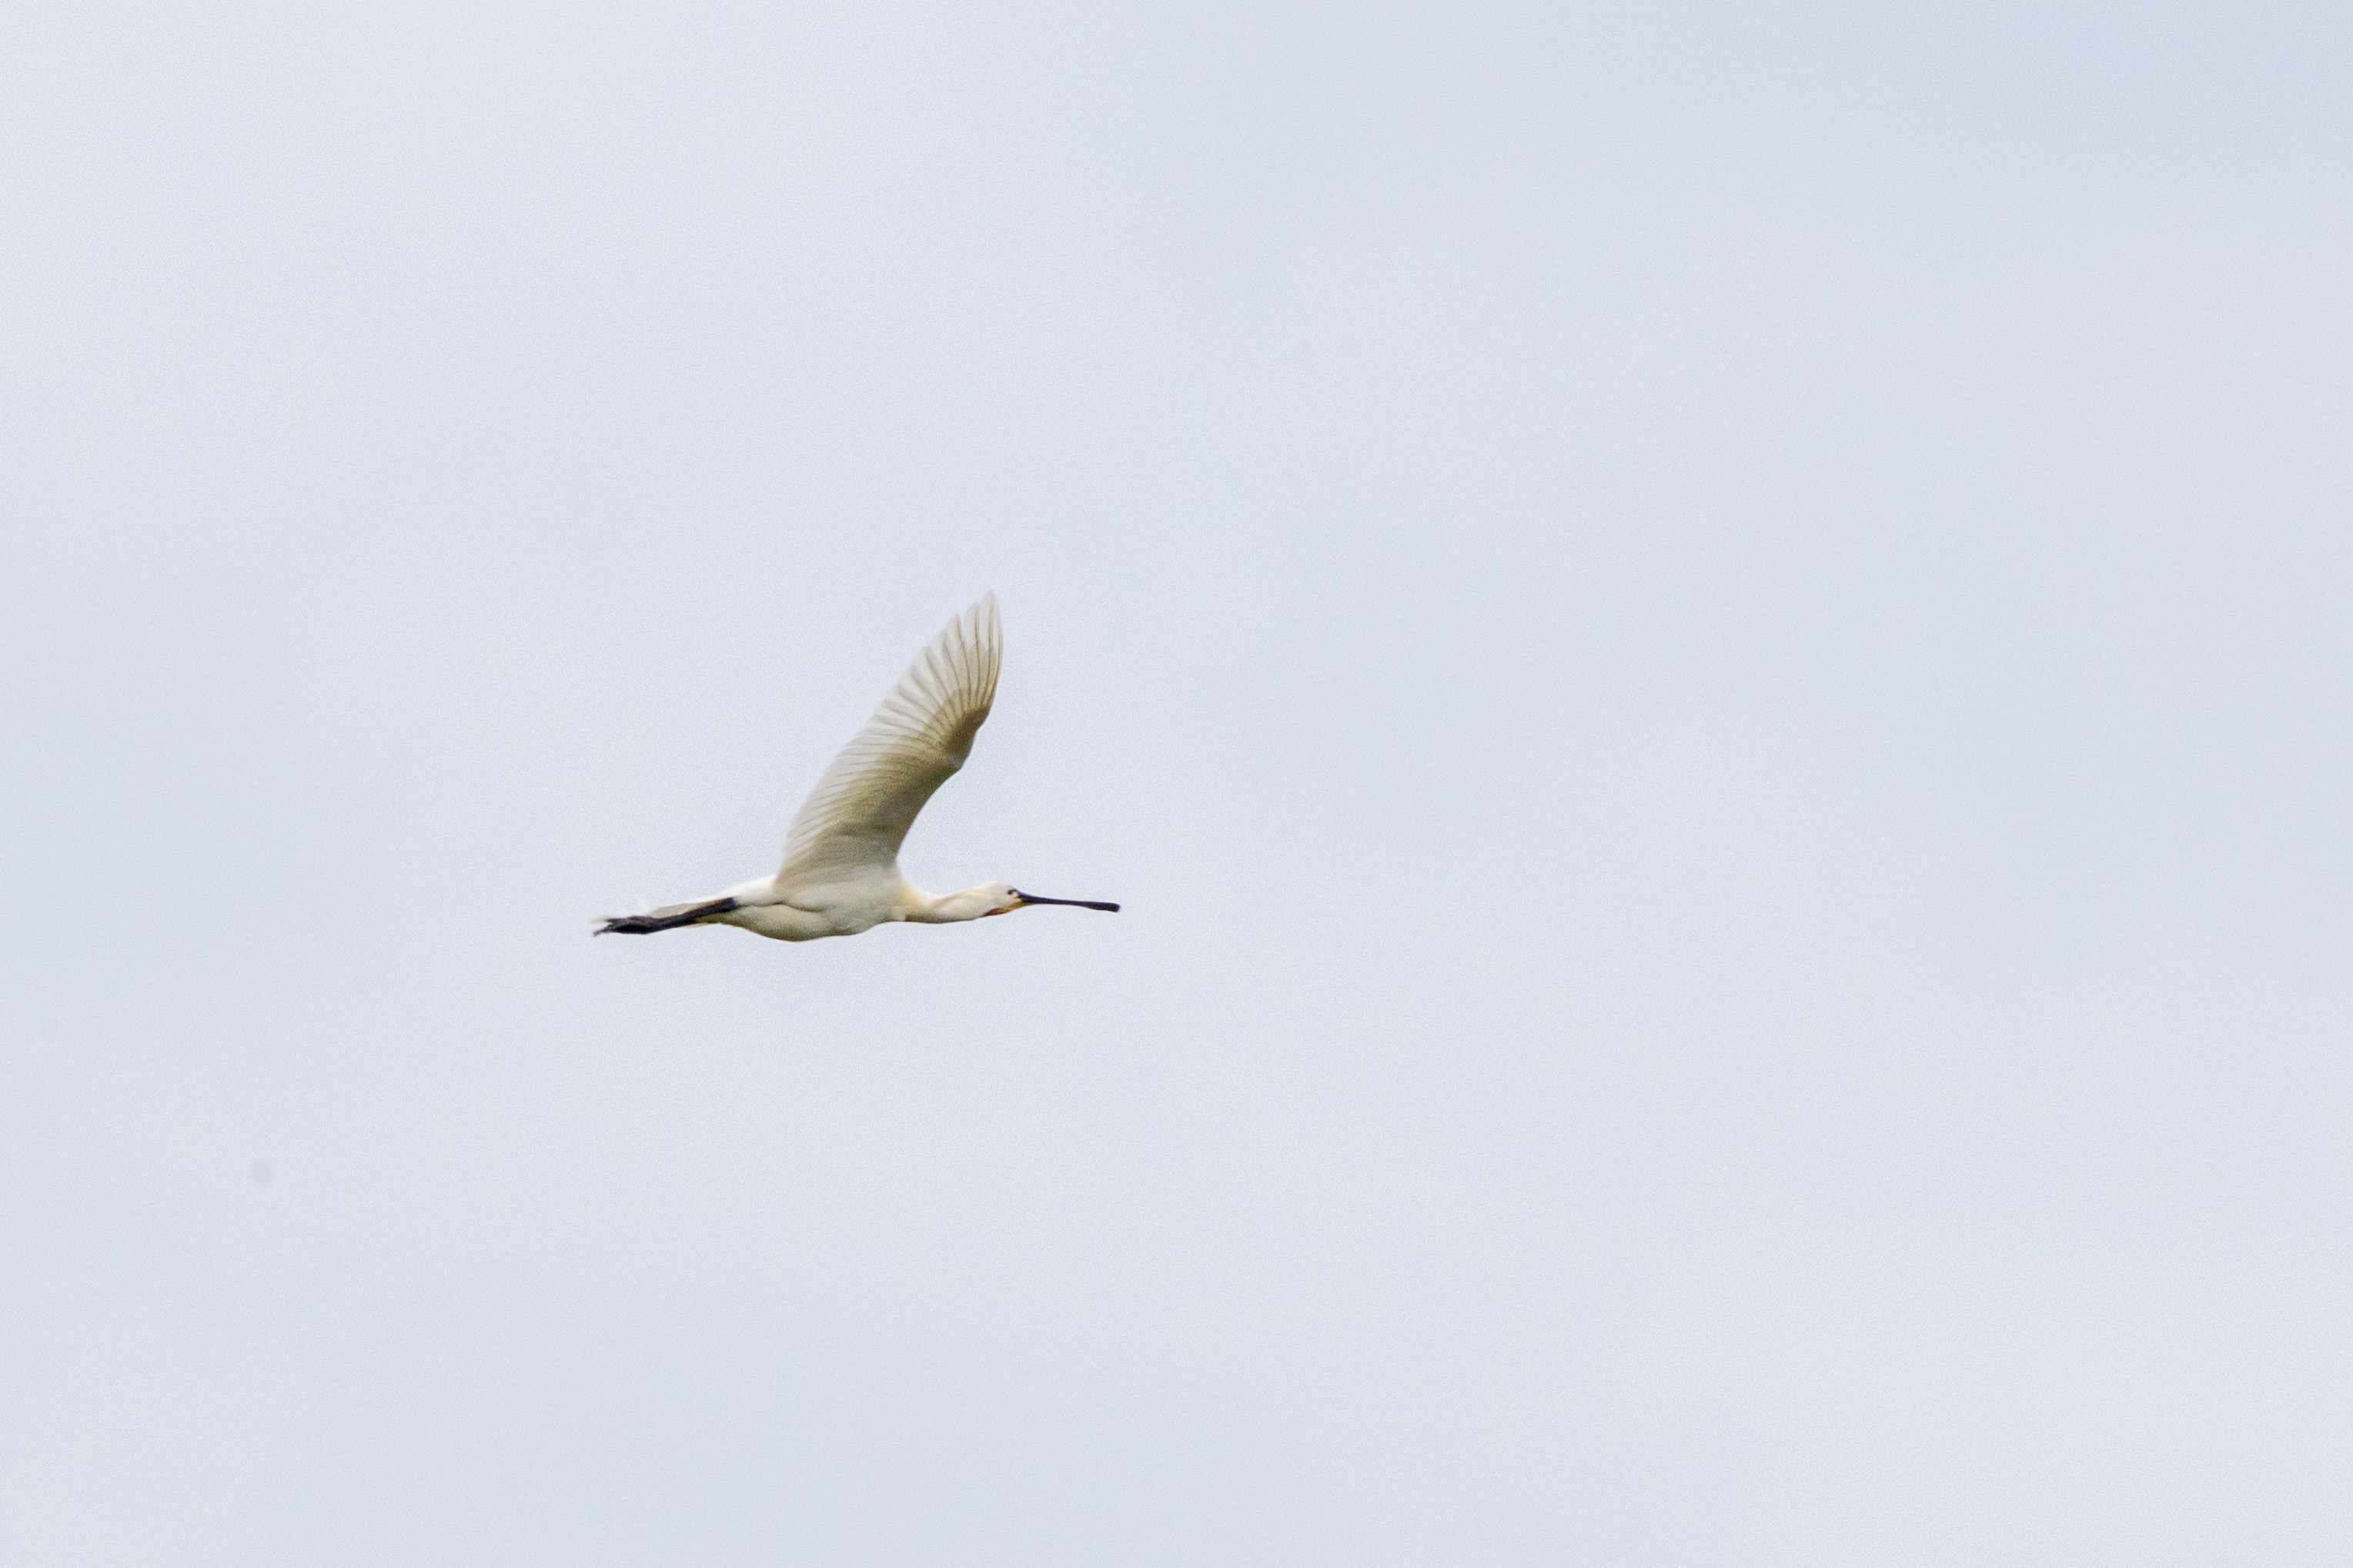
{"x": 643, "y": 924}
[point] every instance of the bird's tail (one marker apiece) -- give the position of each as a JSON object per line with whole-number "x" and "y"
{"x": 664, "y": 918}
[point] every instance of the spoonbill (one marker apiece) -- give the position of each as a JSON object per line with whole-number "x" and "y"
{"x": 840, "y": 874}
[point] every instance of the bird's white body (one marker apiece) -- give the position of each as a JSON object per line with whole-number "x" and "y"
{"x": 840, "y": 873}
{"x": 845, "y": 907}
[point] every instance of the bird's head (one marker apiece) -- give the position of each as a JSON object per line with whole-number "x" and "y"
{"x": 994, "y": 898}
{"x": 1004, "y": 899}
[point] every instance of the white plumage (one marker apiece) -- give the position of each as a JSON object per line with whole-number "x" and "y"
{"x": 840, "y": 871}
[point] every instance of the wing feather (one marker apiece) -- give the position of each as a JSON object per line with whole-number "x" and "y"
{"x": 854, "y": 820}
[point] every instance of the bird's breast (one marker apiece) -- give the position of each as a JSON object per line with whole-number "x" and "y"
{"x": 784, "y": 922}
{"x": 838, "y": 909}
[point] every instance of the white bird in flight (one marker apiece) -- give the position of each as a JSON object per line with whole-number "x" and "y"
{"x": 840, "y": 874}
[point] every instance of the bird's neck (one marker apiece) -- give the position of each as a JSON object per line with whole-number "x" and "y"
{"x": 941, "y": 908}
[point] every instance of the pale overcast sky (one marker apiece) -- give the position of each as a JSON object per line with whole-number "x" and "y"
{"x": 1708, "y": 644}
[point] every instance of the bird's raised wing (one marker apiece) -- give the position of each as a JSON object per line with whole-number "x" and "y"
{"x": 856, "y": 817}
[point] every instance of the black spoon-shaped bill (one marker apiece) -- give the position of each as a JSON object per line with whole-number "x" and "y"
{"x": 1073, "y": 903}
